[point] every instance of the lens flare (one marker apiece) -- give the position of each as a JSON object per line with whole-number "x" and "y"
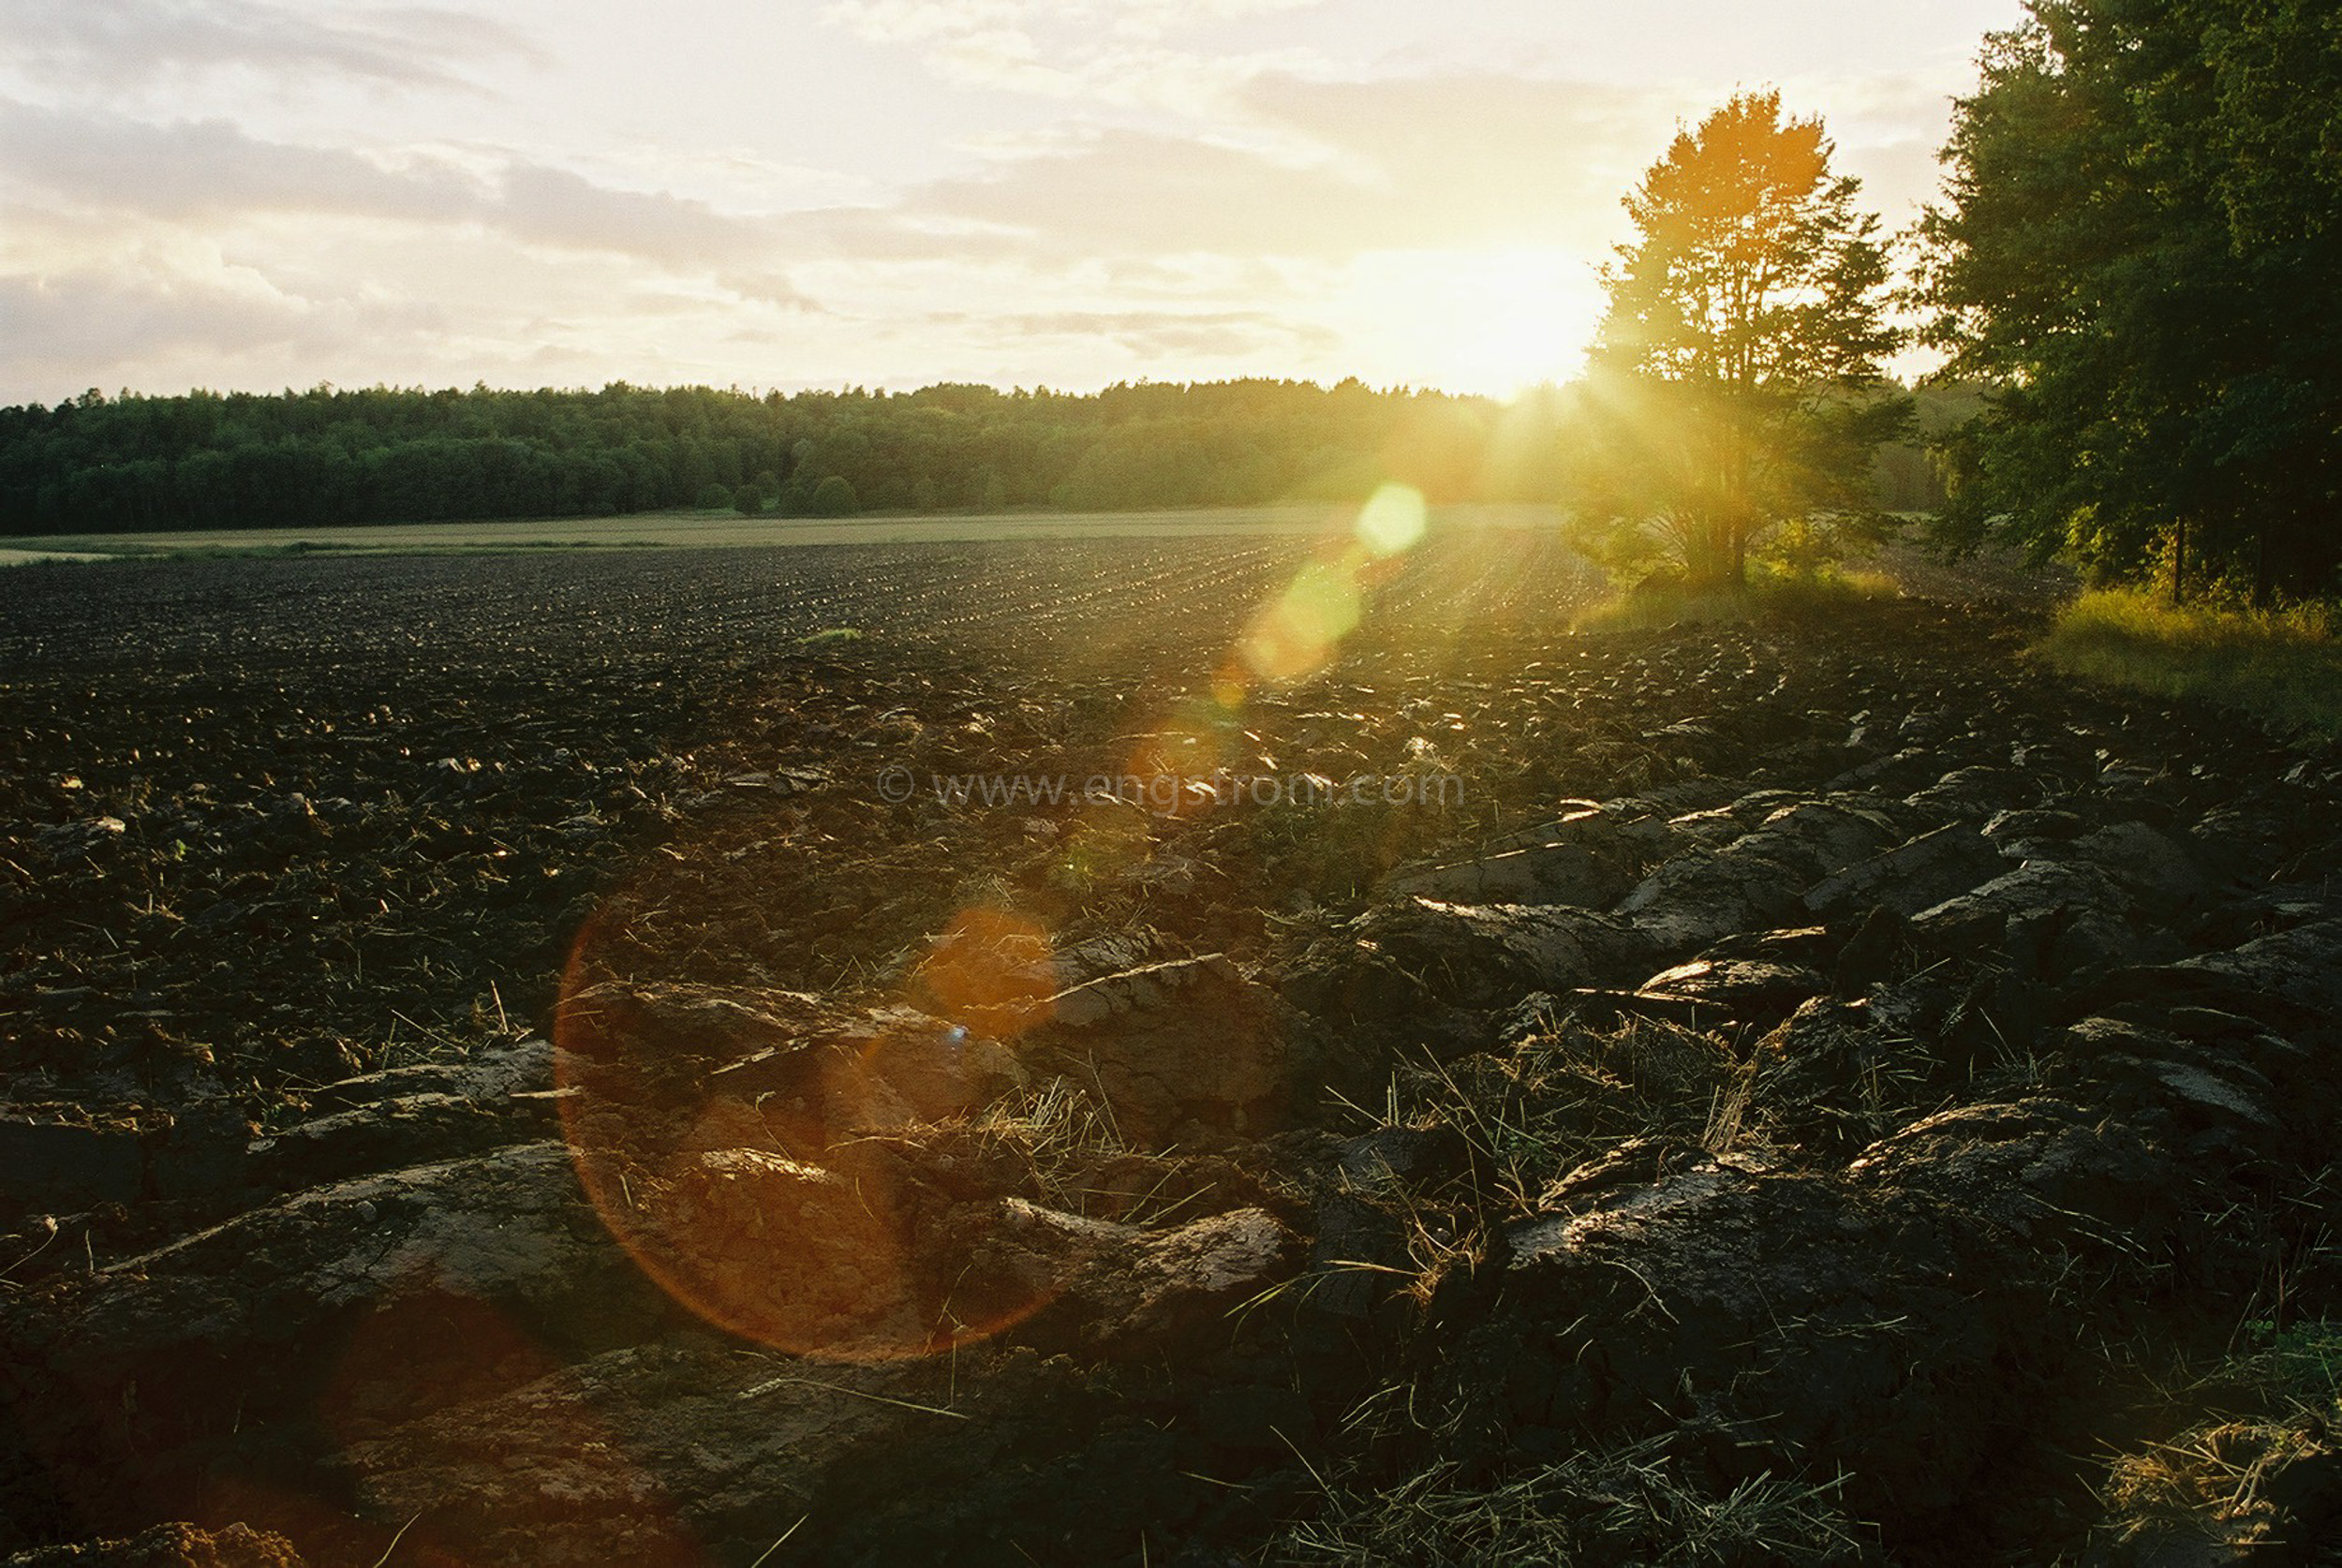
{"x": 990, "y": 971}
{"x": 1393, "y": 520}
{"x": 758, "y": 1154}
{"x": 1296, "y": 634}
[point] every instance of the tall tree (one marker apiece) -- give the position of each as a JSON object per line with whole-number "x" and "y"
{"x": 1737, "y": 382}
{"x": 2139, "y": 258}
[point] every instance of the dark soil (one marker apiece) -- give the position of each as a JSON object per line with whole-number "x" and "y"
{"x": 520, "y": 1062}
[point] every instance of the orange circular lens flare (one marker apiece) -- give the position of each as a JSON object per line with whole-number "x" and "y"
{"x": 777, "y": 1192}
{"x": 990, "y": 971}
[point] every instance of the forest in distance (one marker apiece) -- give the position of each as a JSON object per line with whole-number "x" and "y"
{"x": 380, "y": 454}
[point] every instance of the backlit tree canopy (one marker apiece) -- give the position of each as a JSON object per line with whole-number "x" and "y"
{"x": 1737, "y": 380}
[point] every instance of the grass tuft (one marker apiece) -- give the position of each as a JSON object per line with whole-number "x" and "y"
{"x": 1060, "y": 1147}
{"x": 2234, "y": 1485}
{"x": 1774, "y": 593}
{"x": 1057, "y": 1133}
{"x": 1632, "y": 1505}
{"x": 2283, "y": 667}
{"x": 1562, "y": 1099}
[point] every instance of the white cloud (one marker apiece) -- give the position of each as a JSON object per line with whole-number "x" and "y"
{"x": 1112, "y": 52}
{"x": 927, "y": 21}
{"x": 1444, "y": 162}
{"x": 111, "y": 328}
{"x": 553, "y": 206}
{"x": 211, "y": 171}
{"x": 209, "y": 168}
{"x": 118, "y": 43}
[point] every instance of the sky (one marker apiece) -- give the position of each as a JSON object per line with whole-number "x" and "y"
{"x": 253, "y": 195}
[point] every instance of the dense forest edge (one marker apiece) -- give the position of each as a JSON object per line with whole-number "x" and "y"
{"x": 2134, "y": 255}
{"x": 382, "y": 455}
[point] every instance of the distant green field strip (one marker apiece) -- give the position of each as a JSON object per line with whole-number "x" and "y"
{"x": 700, "y": 530}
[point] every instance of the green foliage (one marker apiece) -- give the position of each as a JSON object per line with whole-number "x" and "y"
{"x": 1736, "y": 381}
{"x": 2302, "y": 1362}
{"x": 757, "y": 493}
{"x": 2136, "y": 259}
{"x": 380, "y": 455}
{"x": 1773, "y": 592}
{"x": 833, "y": 498}
{"x": 2285, "y": 668}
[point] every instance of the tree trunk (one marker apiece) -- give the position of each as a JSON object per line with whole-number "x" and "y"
{"x": 1738, "y": 520}
{"x": 2179, "y": 565}
{"x": 1705, "y": 558}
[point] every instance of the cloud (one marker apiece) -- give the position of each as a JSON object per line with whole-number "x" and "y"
{"x": 1111, "y": 51}
{"x": 1898, "y": 177}
{"x": 69, "y": 329}
{"x": 1439, "y": 162}
{"x": 210, "y": 169}
{"x": 920, "y": 20}
{"x": 1282, "y": 219}
{"x": 1480, "y": 142}
{"x": 770, "y": 287}
{"x": 544, "y": 205}
{"x": 123, "y": 43}
{"x": 1150, "y": 333}
{"x": 1334, "y": 168}
{"x": 1344, "y": 167}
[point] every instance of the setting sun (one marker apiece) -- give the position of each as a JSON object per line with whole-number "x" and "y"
{"x": 1491, "y": 322}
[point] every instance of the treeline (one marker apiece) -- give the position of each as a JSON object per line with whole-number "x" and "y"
{"x": 383, "y": 454}
{"x": 398, "y": 455}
